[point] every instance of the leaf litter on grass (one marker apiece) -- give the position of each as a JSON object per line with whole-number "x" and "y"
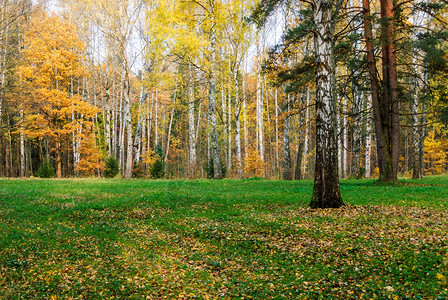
{"x": 214, "y": 249}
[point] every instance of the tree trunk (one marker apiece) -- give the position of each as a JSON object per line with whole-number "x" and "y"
{"x": 136, "y": 149}
{"x": 58, "y": 159}
{"x": 389, "y": 109}
{"x": 357, "y": 130}
{"x": 380, "y": 107}
{"x": 212, "y": 97}
{"x": 128, "y": 125}
{"x": 422, "y": 135}
{"x": 259, "y": 111}
{"x": 368, "y": 140}
{"x": 191, "y": 125}
{"x": 298, "y": 172}
{"x": 239, "y": 164}
{"x": 277, "y": 156}
{"x": 307, "y": 128}
{"x": 326, "y": 192}
{"x": 287, "y": 152}
{"x": 170, "y": 126}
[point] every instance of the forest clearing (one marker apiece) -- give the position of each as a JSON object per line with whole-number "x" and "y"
{"x": 221, "y": 149}
{"x": 205, "y": 239}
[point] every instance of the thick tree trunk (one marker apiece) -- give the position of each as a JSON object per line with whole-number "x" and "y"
{"x": 380, "y": 106}
{"x": 389, "y": 116}
{"x": 326, "y": 192}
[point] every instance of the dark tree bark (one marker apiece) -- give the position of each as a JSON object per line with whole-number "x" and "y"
{"x": 287, "y": 151}
{"x": 385, "y": 105}
{"x": 298, "y": 172}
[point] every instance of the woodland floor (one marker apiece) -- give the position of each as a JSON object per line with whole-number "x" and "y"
{"x": 201, "y": 239}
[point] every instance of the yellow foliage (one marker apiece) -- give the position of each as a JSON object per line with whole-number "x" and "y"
{"x": 253, "y": 165}
{"x": 436, "y": 152}
{"x": 91, "y": 162}
{"x": 148, "y": 157}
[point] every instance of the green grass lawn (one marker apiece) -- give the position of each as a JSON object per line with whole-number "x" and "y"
{"x": 201, "y": 239}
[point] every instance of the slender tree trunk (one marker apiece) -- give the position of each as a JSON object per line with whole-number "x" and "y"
{"x": 299, "y": 160}
{"x": 368, "y": 140}
{"x": 58, "y": 159}
{"x": 345, "y": 143}
{"x": 229, "y": 132}
{"x": 422, "y": 135}
{"x": 212, "y": 98}
{"x": 415, "y": 135}
{"x": 259, "y": 110}
{"x": 326, "y": 192}
{"x": 287, "y": 151}
{"x": 239, "y": 164}
{"x": 128, "y": 125}
{"x": 139, "y": 129}
{"x": 277, "y": 156}
{"x": 245, "y": 128}
{"x": 170, "y": 126}
{"x": 357, "y": 130}
{"x": 191, "y": 125}
{"x": 156, "y": 120}
{"x": 107, "y": 108}
{"x": 307, "y": 128}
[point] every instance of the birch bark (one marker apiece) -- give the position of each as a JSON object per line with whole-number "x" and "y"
{"x": 326, "y": 193}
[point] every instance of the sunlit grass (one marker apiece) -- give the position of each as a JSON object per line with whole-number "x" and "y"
{"x": 134, "y": 239}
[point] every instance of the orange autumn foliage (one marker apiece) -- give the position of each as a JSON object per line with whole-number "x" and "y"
{"x": 51, "y": 65}
{"x": 91, "y": 162}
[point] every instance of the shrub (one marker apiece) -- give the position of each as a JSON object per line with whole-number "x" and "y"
{"x": 211, "y": 170}
{"x": 46, "y": 170}
{"x": 111, "y": 169}
{"x": 157, "y": 169}
{"x": 138, "y": 171}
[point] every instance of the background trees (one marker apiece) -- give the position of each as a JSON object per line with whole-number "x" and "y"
{"x": 200, "y": 83}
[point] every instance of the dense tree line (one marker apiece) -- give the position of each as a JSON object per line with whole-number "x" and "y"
{"x": 211, "y": 88}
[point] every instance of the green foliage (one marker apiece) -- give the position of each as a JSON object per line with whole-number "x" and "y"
{"x": 141, "y": 238}
{"x": 46, "y": 170}
{"x": 157, "y": 169}
{"x": 211, "y": 170}
{"x": 111, "y": 170}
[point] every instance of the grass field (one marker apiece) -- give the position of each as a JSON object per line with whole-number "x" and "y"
{"x": 137, "y": 239}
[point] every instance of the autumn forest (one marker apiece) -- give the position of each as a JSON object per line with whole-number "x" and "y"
{"x": 213, "y": 89}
